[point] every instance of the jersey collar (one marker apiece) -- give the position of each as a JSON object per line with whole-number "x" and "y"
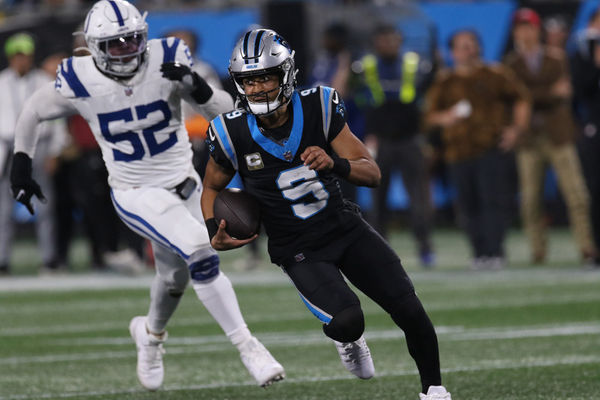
{"x": 287, "y": 151}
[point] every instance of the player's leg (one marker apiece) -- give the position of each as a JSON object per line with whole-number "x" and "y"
{"x": 215, "y": 291}
{"x": 45, "y": 221}
{"x": 151, "y": 213}
{"x": 531, "y": 166}
{"x": 324, "y": 291}
{"x": 375, "y": 269}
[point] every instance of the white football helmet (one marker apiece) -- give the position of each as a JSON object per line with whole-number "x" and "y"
{"x": 116, "y": 35}
{"x": 259, "y": 52}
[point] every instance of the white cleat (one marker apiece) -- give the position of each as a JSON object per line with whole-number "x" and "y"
{"x": 356, "y": 357}
{"x": 150, "y": 370}
{"x": 436, "y": 393}
{"x": 260, "y": 363}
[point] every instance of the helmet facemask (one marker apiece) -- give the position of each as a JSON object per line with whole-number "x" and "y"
{"x": 259, "y": 103}
{"x": 120, "y": 56}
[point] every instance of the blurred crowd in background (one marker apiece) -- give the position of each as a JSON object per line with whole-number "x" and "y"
{"x": 481, "y": 114}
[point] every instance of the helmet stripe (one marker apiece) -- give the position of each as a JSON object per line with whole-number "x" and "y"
{"x": 245, "y": 48}
{"x": 257, "y": 45}
{"x": 117, "y": 11}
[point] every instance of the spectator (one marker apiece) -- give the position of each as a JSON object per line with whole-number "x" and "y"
{"x": 586, "y": 85}
{"x": 556, "y": 32}
{"x": 394, "y": 84}
{"x": 470, "y": 103}
{"x": 550, "y": 138}
{"x": 17, "y": 82}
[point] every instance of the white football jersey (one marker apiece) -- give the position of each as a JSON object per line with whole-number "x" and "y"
{"x": 137, "y": 123}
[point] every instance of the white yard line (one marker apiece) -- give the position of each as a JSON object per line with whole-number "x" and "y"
{"x": 273, "y": 276}
{"x": 205, "y": 344}
{"x": 475, "y": 367}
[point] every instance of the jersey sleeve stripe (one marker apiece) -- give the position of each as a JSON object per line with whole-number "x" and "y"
{"x": 326, "y": 109}
{"x": 169, "y": 52}
{"x": 72, "y": 80}
{"x": 224, "y": 139}
{"x": 145, "y": 229}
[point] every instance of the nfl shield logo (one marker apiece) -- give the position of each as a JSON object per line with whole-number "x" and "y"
{"x": 128, "y": 91}
{"x": 288, "y": 155}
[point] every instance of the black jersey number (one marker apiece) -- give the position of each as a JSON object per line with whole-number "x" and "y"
{"x": 298, "y": 182}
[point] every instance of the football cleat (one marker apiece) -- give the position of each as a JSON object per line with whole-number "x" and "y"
{"x": 150, "y": 370}
{"x": 260, "y": 363}
{"x": 356, "y": 357}
{"x": 436, "y": 393}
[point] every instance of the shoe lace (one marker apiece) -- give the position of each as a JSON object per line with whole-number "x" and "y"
{"x": 354, "y": 352}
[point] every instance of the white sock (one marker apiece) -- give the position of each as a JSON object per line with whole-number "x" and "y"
{"x": 221, "y": 302}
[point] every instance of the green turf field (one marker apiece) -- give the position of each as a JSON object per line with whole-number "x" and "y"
{"x": 522, "y": 333}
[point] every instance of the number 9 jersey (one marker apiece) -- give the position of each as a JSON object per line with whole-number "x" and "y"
{"x": 138, "y": 122}
{"x": 299, "y": 206}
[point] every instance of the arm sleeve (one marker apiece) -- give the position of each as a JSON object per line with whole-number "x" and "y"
{"x": 216, "y": 151}
{"x": 338, "y": 116}
{"x": 45, "y": 104}
{"x": 220, "y": 102}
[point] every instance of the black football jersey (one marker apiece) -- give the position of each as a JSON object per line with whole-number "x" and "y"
{"x": 299, "y": 206}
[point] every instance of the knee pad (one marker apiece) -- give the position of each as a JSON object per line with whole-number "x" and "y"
{"x": 205, "y": 270}
{"x": 408, "y": 312}
{"x": 346, "y": 326}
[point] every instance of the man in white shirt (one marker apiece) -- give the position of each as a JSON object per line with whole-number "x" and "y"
{"x": 17, "y": 83}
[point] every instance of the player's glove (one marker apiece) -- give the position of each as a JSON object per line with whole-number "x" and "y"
{"x": 192, "y": 83}
{"x": 22, "y": 184}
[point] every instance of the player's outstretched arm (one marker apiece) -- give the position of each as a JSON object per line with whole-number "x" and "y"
{"x": 352, "y": 160}
{"x": 216, "y": 179}
{"x": 205, "y": 99}
{"x": 44, "y": 104}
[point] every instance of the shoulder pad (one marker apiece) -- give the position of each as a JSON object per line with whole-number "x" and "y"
{"x": 218, "y": 128}
{"x": 70, "y": 74}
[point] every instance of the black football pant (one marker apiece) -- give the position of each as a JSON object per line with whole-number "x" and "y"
{"x": 374, "y": 268}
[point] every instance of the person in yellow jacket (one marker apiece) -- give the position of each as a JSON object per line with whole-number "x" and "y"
{"x": 394, "y": 82}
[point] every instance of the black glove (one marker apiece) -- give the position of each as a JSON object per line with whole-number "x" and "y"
{"x": 193, "y": 83}
{"x": 22, "y": 184}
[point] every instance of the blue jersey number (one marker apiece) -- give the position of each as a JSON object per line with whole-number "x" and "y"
{"x": 296, "y": 183}
{"x": 134, "y": 138}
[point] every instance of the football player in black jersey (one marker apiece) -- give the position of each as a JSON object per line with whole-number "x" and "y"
{"x": 290, "y": 148}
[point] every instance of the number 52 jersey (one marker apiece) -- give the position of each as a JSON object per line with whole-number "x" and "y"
{"x": 299, "y": 206}
{"x": 138, "y": 123}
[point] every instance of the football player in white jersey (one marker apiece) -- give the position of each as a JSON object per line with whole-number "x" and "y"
{"x": 129, "y": 90}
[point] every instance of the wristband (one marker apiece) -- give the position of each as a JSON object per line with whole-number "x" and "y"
{"x": 341, "y": 166}
{"x": 202, "y": 90}
{"x": 212, "y": 227}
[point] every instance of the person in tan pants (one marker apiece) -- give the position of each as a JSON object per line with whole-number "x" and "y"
{"x": 550, "y": 138}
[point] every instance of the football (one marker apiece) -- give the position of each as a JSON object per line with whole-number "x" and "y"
{"x": 240, "y": 210}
